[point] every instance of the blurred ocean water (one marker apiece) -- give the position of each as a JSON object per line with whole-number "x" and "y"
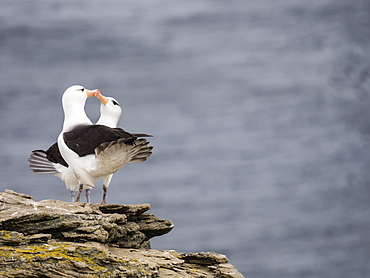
{"x": 260, "y": 111}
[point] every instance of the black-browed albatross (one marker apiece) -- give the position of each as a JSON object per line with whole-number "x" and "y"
{"x": 46, "y": 162}
{"x": 94, "y": 151}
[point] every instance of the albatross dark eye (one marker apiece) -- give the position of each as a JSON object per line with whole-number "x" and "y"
{"x": 83, "y": 89}
{"x": 115, "y": 102}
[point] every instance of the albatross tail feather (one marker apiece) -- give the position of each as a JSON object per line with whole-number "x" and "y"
{"x": 39, "y": 163}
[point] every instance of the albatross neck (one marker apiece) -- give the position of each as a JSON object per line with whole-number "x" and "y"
{"x": 107, "y": 121}
{"x": 74, "y": 115}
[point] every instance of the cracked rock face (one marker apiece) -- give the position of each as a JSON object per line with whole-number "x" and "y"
{"x": 52, "y": 238}
{"x": 127, "y": 226}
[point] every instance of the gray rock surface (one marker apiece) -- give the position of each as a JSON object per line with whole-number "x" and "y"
{"x": 127, "y": 226}
{"x": 52, "y": 238}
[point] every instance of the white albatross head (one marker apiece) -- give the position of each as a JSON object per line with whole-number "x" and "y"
{"x": 110, "y": 111}
{"x": 73, "y": 101}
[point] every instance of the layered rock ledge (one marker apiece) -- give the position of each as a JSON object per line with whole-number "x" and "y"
{"x": 52, "y": 238}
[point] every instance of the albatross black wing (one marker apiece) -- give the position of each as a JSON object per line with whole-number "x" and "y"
{"x": 53, "y": 154}
{"x": 141, "y": 135}
{"x": 84, "y": 139}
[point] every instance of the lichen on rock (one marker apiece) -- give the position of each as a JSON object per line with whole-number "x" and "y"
{"x": 52, "y": 238}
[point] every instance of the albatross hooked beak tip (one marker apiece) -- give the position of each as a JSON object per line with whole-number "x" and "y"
{"x": 92, "y": 93}
{"x": 101, "y": 98}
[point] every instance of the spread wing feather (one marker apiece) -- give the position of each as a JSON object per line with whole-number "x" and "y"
{"x": 114, "y": 155}
{"x": 39, "y": 163}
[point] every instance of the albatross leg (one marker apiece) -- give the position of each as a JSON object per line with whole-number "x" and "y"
{"x": 73, "y": 195}
{"x": 105, "y": 189}
{"x": 79, "y": 193}
{"x": 88, "y": 191}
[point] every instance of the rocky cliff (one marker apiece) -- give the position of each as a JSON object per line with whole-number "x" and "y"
{"x": 52, "y": 238}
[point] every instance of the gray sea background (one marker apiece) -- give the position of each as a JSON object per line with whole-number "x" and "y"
{"x": 260, "y": 112}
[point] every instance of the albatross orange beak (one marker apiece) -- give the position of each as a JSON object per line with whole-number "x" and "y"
{"x": 92, "y": 93}
{"x": 102, "y": 98}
